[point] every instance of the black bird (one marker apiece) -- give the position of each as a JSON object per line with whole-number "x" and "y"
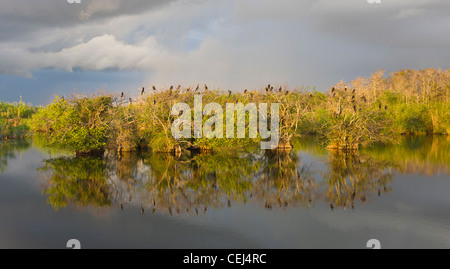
{"x": 354, "y": 108}
{"x": 245, "y": 91}
{"x": 121, "y": 95}
{"x": 364, "y": 99}
{"x": 171, "y": 88}
{"x": 198, "y": 86}
{"x": 154, "y": 102}
{"x": 386, "y": 107}
{"x": 354, "y": 90}
{"x": 333, "y": 89}
{"x": 206, "y": 87}
{"x": 229, "y": 93}
{"x": 154, "y": 88}
{"x": 331, "y": 206}
{"x": 131, "y": 101}
{"x": 310, "y": 95}
{"x": 286, "y": 93}
{"x": 345, "y": 89}
{"x": 142, "y": 210}
{"x": 251, "y": 95}
{"x": 379, "y": 106}
{"x": 280, "y": 89}
{"x": 268, "y": 86}
{"x": 271, "y": 89}
{"x": 142, "y": 92}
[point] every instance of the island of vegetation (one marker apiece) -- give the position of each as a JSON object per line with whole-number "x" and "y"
{"x": 376, "y": 109}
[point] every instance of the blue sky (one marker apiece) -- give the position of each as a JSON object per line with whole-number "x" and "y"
{"x": 50, "y": 48}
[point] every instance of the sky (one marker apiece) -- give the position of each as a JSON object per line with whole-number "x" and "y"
{"x": 50, "y": 47}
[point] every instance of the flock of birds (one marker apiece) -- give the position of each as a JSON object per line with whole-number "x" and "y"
{"x": 353, "y": 98}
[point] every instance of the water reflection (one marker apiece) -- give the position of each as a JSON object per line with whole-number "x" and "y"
{"x": 9, "y": 150}
{"x": 193, "y": 184}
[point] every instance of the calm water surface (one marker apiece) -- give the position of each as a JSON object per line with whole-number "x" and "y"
{"x": 307, "y": 198}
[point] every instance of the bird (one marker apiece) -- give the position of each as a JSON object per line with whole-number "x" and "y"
{"x": 271, "y": 89}
{"x": 331, "y": 206}
{"x": 386, "y": 107}
{"x": 121, "y": 95}
{"x": 245, "y": 91}
{"x": 354, "y": 90}
{"x": 142, "y": 210}
{"x": 198, "y": 86}
{"x": 267, "y": 89}
{"x": 131, "y": 101}
{"x": 286, "y": 93}
{"x": 229, "y": 93}
{"x": 310, "y": 95}
{"x": 154, "y": 101}
{"x": 251, "y": 95}
{"x": 154, "y": 88}
{"x": 333, "y": 89}
{"x": 364, "y": 99}
{"x": 268, "y": 86}
{"x": 206, "y": 87}
{"x": 345, "y": 89}
{"x": 379, "y": 106}
{"x": 171, "y": 87}
{"x": 280, "y": 89}
{"x": 188, "y": 89}
{"x": 142, "y": 92}
{"x": 354, "y": 108}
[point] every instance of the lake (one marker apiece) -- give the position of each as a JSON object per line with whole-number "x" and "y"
{"x": 306, "y": 198}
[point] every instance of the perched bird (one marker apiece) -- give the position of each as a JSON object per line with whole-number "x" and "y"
{"x": 188, "y": 89}
{"x": 245, "y": 91}
{"x": 142, "y": 210}
{"x": 154, "y": 88}
{"x": 354, "y": 108}
{"x": 271, "y": 89}
{"x": 268, "y": 86}
{"x": 379, "y": 106}
{"x": 280, "y": 89}
{"x": 251, "y": 95}
{"x": 333, "y": 89}
{"x": 206, "y": 87}
{"x": 354, "y": 90}
{"x": 310, "y": 95}
{"x": 131, "y": 101}
{"x": 345, "y": 89}
{"x": 142, "y": 92}
{"x": 386, "y": 107}
{"x": 198, "y": 86}
{"x": 331, "y": 206}
{"x": 267, "y": 89}
{"x": 286, "y": 93}
{"x": 364, "y": 99}
{"x": 171, "y": 88}
{"x": 154, "y": 101}
{"x": 229, "y": 93}
{"x": 121, "y": 95}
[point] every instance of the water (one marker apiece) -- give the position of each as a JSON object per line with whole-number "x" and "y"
{"x": 308, "y": 198}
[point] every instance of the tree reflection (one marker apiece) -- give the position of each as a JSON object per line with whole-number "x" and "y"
{"x": 77, "y": 181}
{"x": 192, "y": 184}
{"x": 8, "y": 151}
{"x": 351, "y": 177}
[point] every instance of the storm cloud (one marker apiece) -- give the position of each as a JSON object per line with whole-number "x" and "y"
{"x": 226, "y": 43}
